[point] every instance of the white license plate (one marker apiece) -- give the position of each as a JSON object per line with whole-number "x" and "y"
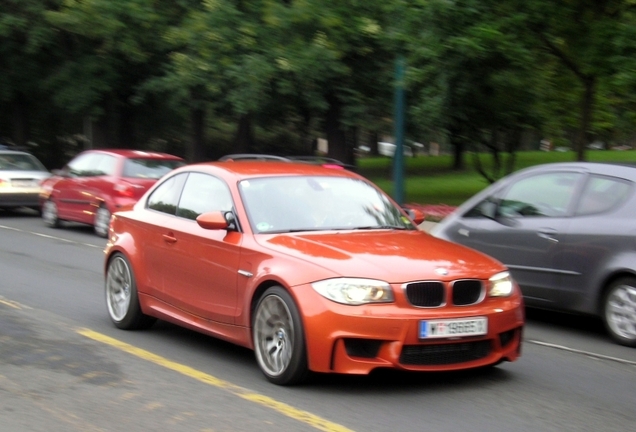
{"x": 453, "y": 328}
{"x": 22, "y": 183}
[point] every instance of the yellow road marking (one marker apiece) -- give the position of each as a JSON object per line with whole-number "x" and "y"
{"x": 287, "y": 410}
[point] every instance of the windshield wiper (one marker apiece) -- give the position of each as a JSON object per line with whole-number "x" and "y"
{"x": 372, "y": 227}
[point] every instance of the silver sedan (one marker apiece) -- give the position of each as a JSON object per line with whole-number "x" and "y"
{"x": 20, "y": 177}
{"x": 567, "y": 232}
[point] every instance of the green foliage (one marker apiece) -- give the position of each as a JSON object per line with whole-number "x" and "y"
{"x": 430, "y": 181}
{"x": 480, "y": 73}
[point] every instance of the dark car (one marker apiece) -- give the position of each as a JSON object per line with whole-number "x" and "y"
{"x": 97, "y": 183}
{"x": 567, "y": 232}
{"x": 20, "y": 177}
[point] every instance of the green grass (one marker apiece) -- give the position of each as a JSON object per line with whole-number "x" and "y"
{"x": 429, "y": 180}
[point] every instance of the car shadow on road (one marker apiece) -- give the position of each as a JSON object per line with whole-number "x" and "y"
{"x": 20, "y": 212}
{"x": 566, "y": 321}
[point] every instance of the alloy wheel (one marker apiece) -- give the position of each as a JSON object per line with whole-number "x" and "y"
{"x": 118, "y": 289}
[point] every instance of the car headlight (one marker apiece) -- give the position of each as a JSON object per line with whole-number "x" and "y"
{"x": 501, "y": 285}
{"x": 354, "y": 291}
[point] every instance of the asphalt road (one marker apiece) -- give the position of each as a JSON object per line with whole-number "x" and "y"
{"x": 64, "y": 367}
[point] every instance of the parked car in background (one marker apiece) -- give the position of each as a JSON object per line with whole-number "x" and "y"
{"x": 388, "y": 149}
{"x": 20, "y": 177}
{"x": 314, "y": 268}
{"x": 567, "y": 232}
{"x": 97, "y": 183}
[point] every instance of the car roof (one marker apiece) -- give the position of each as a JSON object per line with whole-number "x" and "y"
{"x": 255, "y": 168}
{"x": 135, "y": 154}
{"x": 3, "y": 151}
{"x": 611, "y": 168}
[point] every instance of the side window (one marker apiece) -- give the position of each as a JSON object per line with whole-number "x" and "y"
{"x": 104, "y": 165}
{"x": 83, "y": 165}
{"x": 203, "y": 193}
{"x": 602, "y": 194}
{"x": 542, "y": 195}
{"x": 166, "y": 197}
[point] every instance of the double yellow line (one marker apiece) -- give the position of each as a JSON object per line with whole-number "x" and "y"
{"x": 287, "y": 410}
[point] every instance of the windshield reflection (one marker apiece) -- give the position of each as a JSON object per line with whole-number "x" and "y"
{"x": 312, "y": 203}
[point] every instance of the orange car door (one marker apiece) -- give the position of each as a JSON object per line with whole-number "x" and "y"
{"x": 203, "y": 264}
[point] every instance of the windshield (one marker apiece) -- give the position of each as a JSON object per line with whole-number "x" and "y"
{"x": 302, "y": 203}
{"x": 19, "y": 162}
{"x": 149, "y": 168}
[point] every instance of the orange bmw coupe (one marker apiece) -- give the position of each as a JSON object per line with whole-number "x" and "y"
{"x": 315, "y": 269}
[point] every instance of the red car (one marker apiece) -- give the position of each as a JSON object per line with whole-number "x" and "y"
{"x": 97, "y": 183}
{"x": 314, "y": 268}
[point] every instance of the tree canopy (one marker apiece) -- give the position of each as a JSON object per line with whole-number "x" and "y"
{"x": 201, "y": 78}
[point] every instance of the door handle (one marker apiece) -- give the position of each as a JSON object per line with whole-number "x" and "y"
{"x": 169, "y": 238}
{"x": 548, "y": 234}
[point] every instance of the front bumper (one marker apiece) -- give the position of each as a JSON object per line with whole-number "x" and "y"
{"x": 359, "y": 339}
{"x": 13, "y": 198}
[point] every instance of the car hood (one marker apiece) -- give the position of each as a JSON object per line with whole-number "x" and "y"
{"x": 392, "y": 256}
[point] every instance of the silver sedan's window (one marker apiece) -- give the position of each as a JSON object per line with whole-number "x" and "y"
{"x": 542, "y": 195}
{"x": 19, "y": 162}
{"x": 602, "y": 194}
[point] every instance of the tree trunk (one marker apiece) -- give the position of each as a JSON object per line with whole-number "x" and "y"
{"x": 587, "y": 104}
{"x": 20, "y": 120}
{"x": 244, "y": 140}
{"x": 103, "y": 127}
{"x": 336, "y": 136}
{"x": 372, "y": 143}
{"x": 126, "y": 127}
{"x": 194, "y": 149}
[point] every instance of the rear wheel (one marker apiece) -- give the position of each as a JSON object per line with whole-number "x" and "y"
{"x": 49, "y": 214}
{"x": 102, "y": 221}
{"x": 122, "y": 299}
{"x": 279, "y": 341}
{"x": 619, "y": 311}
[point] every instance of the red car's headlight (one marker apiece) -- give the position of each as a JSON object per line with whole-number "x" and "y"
{"x": 354, "y": 291}
{"x": 500, "y": 285}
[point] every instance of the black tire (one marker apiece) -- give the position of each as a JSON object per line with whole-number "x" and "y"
{"x": 102, "y": 221}
{"x": 50, "y": 214}
{"x": 279, "y": 338}
{"x": 619, "y": 311}
{"x": 122, "y": 300}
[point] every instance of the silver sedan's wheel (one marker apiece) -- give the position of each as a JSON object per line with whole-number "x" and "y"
{"x": 49, "y": 214}
{"x": 121, "y": 295}
{"x": 620, "y": 311}
{"x": 102, "y": 221}
{"x": 279, "y": 342}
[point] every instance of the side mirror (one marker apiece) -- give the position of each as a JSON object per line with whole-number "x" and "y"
{"x": 416, "y": 215}
{"x": 489, "y": 209}
{"x": 212, "y": 221}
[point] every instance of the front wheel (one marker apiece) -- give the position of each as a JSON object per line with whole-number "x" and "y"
{"x": 122, "y": 299}
{"x": 279, "y": 341}
{"x": 619, "y": 311}
{"x": 102, "y": 221}
{"x": 49, "y": 214}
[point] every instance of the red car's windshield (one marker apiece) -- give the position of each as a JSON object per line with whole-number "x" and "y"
{"x": 310, "y": 203}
